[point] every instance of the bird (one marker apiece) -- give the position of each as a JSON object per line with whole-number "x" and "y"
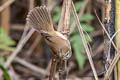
{"x": 40, "y": 19}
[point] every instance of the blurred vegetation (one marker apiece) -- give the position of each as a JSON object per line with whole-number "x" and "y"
{"x": 38, "y": 54}
{"x": 2, "y": 66}
{"x": 5, "y": 41}
{"x": 5, "y": 44}
{"x": 75, "y": 39}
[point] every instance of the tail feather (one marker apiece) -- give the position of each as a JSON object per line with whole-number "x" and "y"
{"x": 40, "y": 19}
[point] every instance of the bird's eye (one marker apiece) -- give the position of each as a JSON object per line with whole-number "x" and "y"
{"x": 66, "y": 56}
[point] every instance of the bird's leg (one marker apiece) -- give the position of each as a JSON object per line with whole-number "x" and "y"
{"x": 53, "y": 68}
{"x": 62, "y": 70}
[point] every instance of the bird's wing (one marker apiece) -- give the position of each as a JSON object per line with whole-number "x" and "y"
{"x": 47, "y": 36}
{"x": 40, "y": 19}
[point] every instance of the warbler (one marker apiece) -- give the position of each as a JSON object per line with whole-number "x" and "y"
{"x": 40, "y": 19}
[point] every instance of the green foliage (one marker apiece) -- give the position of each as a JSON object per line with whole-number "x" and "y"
{"x": 78, "y": 47}
{"x": 2, "y": 66}
{"x": 75, "y": 39}
{"x": 56, "y": 14}
{"x": 78, "y": 5}
{"x": 86, "y": 17}
{"x": 5, "y": 41}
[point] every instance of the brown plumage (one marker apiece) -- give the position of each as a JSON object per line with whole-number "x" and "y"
{"x": 40, "y": 19}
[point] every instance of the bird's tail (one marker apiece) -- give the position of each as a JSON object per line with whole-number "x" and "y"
{"x": 40, "y": 19}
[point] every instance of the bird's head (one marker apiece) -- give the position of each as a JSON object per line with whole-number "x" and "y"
{"x": 65, "y": 53}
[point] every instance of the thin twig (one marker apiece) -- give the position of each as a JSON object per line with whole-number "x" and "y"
{"x": 18, "y": 27}
{"x": 33, "y": 46}
{"x": 99, "y": 49}
{"x": 26, "y": 29}
{"x": 96, "y": 33}
{"x": 19, "y": 47}
{"x": 79, "y": 15}
{"x": 117, "y": 56}
{"x": 61, "y": 20}
{"x": 63, "y": 25}
{"x": 13, "y": 74}
{"x": 112, "y": 65}
{"x": 84, "y": 41}
{"x": 51, "y": 4}
{"x": 5, "y": 5}
{"x": 106, "y": 32}
{"x": 31, "y": 66}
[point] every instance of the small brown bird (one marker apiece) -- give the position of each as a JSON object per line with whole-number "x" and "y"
{"x": 40, "y": 19}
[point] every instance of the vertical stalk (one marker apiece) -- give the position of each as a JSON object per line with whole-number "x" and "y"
{"x": 117, "y": 27}
{"x": 110, "y": 27}
{"x": 63, "y": 26}
{"x": 5, "y": 18}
